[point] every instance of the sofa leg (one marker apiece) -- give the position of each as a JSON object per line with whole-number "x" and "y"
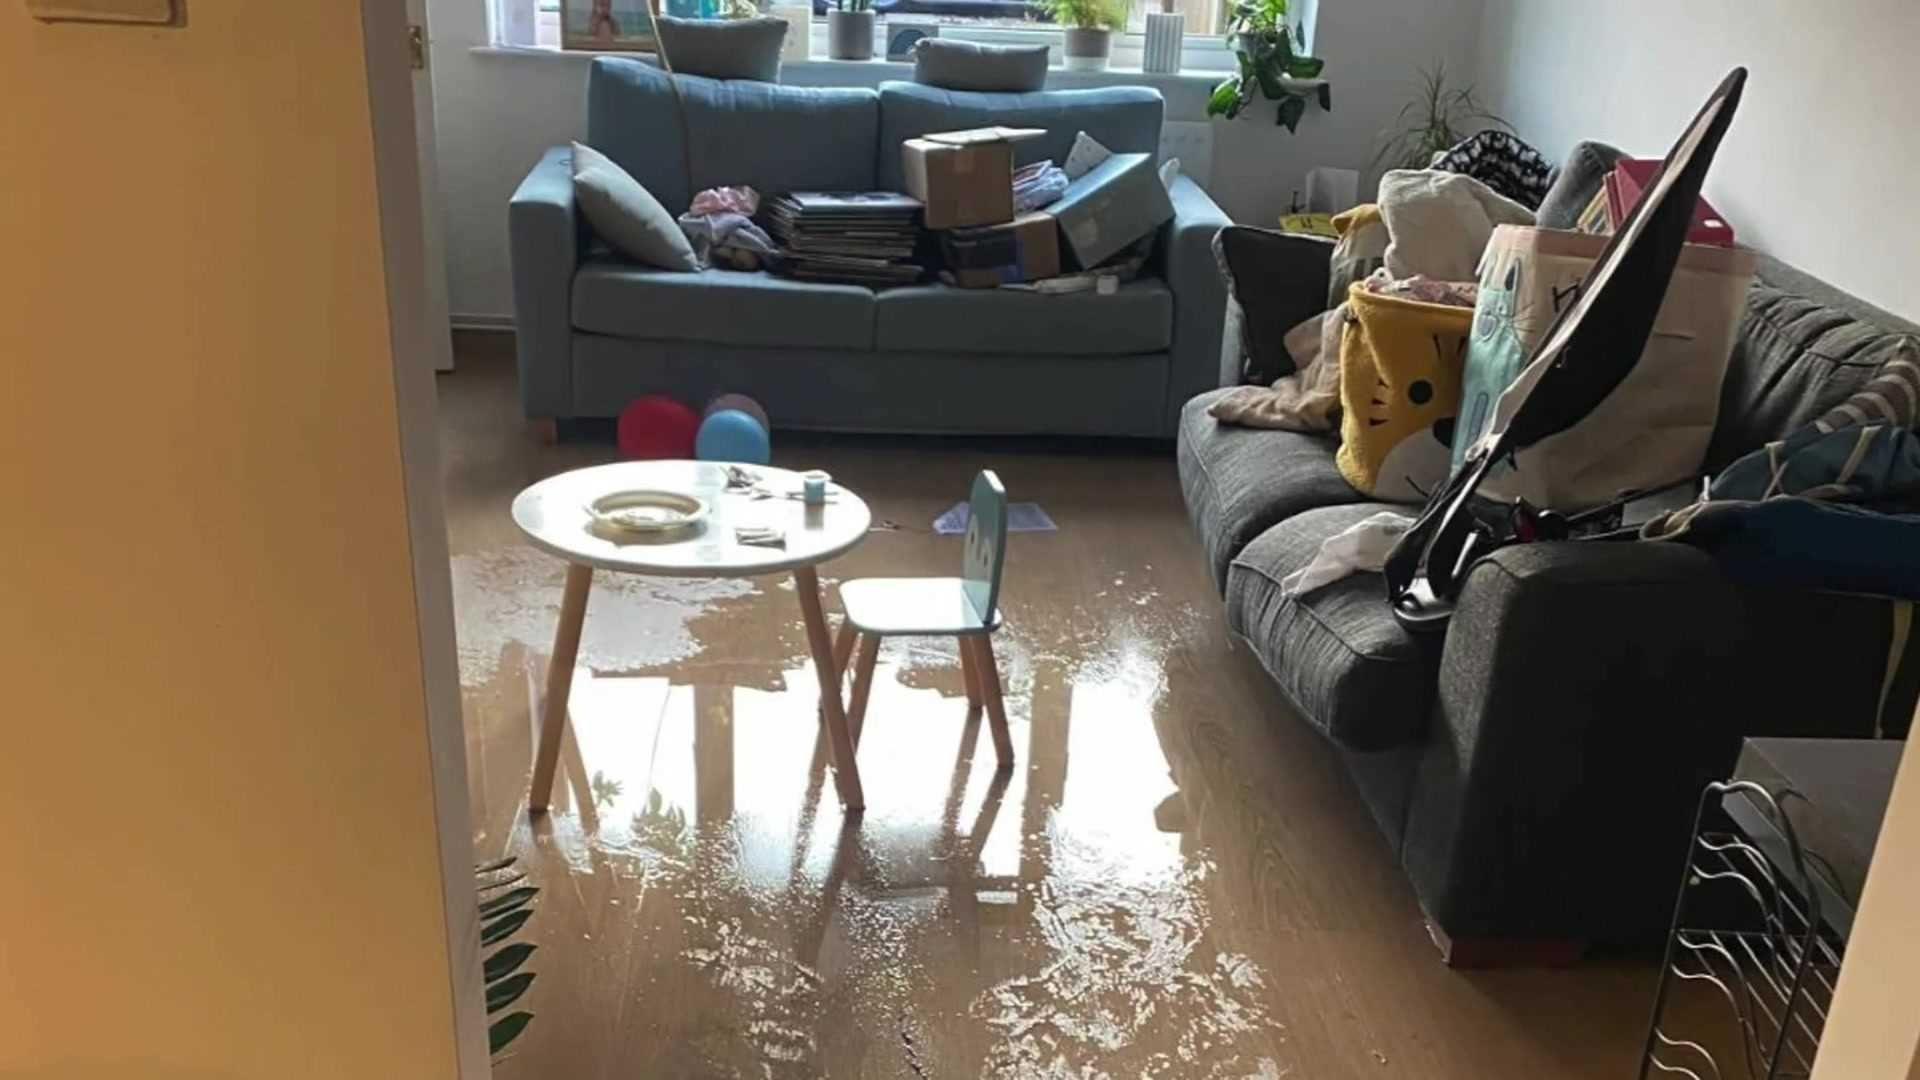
{"x": 1483, "y": 953}
{"x": 544, "y": 430}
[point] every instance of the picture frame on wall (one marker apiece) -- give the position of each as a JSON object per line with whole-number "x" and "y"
{"x": 607, "y": 25}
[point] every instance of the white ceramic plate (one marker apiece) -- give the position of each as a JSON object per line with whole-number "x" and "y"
{"x": 646, "y": 511}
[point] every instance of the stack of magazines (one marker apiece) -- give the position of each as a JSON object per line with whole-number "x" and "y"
{"x": 860, "y": 237}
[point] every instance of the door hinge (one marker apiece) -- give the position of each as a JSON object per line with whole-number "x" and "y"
{"x": 417, "y": 47}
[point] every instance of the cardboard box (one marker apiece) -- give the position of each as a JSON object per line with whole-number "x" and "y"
{"x": 963, "y": 177}
{"x": 1115, "y": 203}
{"x": 1024, "y": 249}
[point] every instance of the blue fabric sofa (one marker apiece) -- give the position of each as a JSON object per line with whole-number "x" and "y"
{"x": 596, "y": 331}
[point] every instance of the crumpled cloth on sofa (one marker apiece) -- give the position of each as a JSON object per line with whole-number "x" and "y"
{"x": 1308, "y": 399}
{"x": 1359, "y": 548}
{"x": 721, "y": 229}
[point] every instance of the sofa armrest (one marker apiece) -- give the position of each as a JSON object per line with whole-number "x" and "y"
{"x": 543, "y": 235}
{"x": 1199, "y": 296}
{"x": 1587, "y": 692}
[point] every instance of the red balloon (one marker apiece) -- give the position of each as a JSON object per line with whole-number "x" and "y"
{"x": 656, "y": 427}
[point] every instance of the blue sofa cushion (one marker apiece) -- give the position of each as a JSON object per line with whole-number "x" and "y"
{"x": 940, "y": 318}
{"x": 723, "y": 307}
{"x": 1337, "y": 652}
{"x": 770, "y": 136}
{"x": 1240, "y": 481}
{"x": 1125, "y": 119}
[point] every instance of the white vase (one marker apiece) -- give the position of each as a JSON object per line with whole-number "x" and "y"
{"x": 1166, "y": 37}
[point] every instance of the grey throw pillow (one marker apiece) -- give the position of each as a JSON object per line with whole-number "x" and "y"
{"x": 969, "y": 65}
{"x": 723, "y": 48}
{"x": 625, "y": 215}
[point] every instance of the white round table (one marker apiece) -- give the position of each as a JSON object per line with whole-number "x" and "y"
{"x": 553, "y": 515}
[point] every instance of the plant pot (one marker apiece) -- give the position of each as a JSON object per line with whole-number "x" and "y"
{"x": 850, "y": 35}
{"x": 1166, "y": 37}
{"x": 1087, "y": 48}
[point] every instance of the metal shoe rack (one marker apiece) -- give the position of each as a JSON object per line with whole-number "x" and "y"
{"x": 1750, "y": 967}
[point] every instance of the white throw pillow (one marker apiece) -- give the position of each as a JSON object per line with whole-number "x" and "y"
{"x": 626, "y": 215}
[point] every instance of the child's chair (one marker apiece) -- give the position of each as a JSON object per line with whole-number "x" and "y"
{"x": 967, "y": 607}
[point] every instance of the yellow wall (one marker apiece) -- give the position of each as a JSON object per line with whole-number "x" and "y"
{"x": 1874, "y": 1031}
{"x": 219, "y": 857}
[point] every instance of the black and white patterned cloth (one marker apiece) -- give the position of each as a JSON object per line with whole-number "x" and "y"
{"x": 1504, "y": 163}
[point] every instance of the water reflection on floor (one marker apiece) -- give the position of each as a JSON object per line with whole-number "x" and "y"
{"x": 1034, "y": 922}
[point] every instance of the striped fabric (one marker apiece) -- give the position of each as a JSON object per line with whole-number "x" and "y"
{"x": 1891, "y": 396}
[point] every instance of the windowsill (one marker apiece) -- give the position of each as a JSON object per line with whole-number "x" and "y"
{"x": 1057, "y": 77}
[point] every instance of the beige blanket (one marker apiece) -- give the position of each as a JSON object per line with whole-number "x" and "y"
{"x": 1308, "y": 399}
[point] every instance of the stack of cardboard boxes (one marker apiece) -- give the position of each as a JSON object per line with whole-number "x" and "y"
{"x": 964, "y": 179}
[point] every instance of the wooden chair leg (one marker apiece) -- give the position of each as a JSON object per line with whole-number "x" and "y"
{"x": 990, "y": 691}
{"x": 843, "y": 641}
{"x": 970, "y": 672}
{"x": 862, "y": 685}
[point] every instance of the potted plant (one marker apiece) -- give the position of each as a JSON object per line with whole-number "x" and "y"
{"x": 850, "y": 30}
{"x": 1271, "y": 65}
{"x": 504, "y": 908}
{"x": 1439, "y": 118}
{"x": 1087, "y": 28}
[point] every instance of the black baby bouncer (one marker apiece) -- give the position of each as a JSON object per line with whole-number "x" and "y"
{"x": 1584, "y": 355}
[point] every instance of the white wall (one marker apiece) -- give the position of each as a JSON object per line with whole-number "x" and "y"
{"x": 1820, "y": 166}
{"x": 497, "y": 112}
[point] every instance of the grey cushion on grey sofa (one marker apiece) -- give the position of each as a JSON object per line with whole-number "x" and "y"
{"x": 1804, "y": 348}
{"x": 1239, "y": 482}
{"x": 724, "y": 48}
{"x": 1336, "y": 652}
{"x": 772, "y": 137}
{"x": 969, "y": 65}
{"x": 721, "y": 306}
{"x": 925, "y": 318}
{"x": 1124, "y": 119}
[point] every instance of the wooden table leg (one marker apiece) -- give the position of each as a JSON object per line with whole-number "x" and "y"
{"x": 553, "y": 718}
{"x": 846, "y": 775}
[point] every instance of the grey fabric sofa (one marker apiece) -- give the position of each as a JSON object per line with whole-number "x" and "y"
{"x": 594, "y": 332}
{"x": 1536, "y": 768}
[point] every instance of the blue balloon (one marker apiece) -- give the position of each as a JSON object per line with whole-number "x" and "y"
{"x": 732, "y": 435}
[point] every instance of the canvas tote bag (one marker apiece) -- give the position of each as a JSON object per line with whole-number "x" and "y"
{"x": 1653, "y": 429}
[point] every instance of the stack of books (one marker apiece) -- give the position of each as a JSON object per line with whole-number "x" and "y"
{"x": 859, "y": 237}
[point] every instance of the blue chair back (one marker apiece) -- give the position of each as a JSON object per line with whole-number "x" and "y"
{"x": 986, "y": 551}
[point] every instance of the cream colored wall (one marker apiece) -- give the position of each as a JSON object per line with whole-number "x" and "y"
{"x": 219, "y": 858}
{"x": 1874, "y": 1030}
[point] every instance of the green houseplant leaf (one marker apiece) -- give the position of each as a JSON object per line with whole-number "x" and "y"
{"x": 1292, "y": 108}
{"x": 506, "y": 1029}
{"x": 507, "y": 901}
{"x": 500, "y": 929}
{"x": 504, "y": 962}
{"x": 507, "y": 991}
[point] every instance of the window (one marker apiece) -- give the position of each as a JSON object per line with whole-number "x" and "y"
{"x": 536, "y": 23}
